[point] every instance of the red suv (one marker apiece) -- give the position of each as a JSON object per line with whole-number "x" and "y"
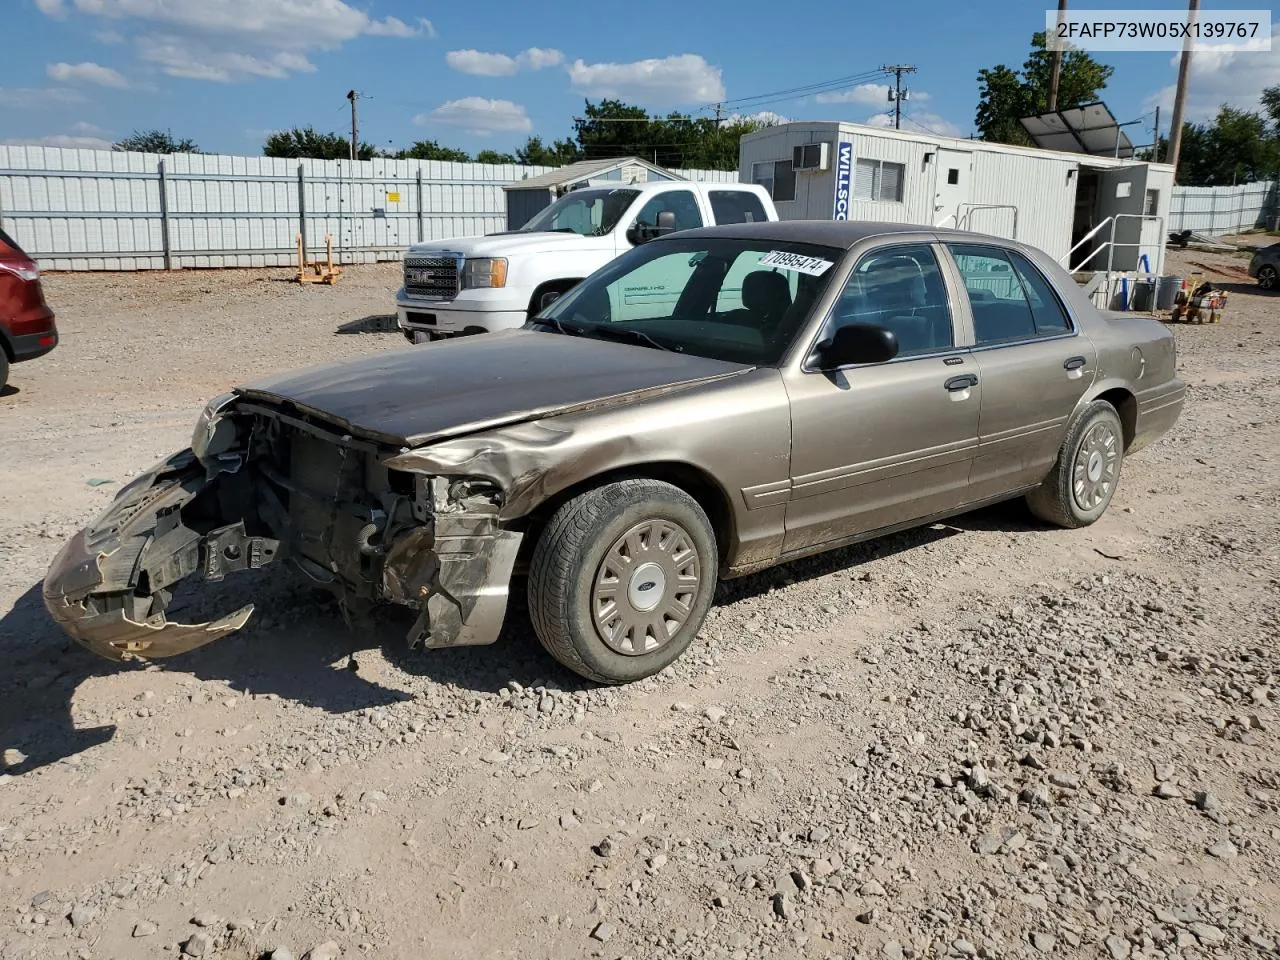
{"x": 26, "y": 322}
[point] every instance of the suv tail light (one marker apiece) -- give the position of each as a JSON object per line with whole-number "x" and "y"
{"x": 22, "y": 269}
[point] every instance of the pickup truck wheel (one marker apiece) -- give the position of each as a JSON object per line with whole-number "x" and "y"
{"x": 1079, "y": 488}
{"x": 621, "y": 579}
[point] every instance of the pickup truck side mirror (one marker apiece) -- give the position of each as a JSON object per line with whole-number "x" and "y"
{"x": 639, "y": 233}
{"x": 856, "y": 343}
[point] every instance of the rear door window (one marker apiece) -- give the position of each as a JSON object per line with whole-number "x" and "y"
{"x": 737, "y": 206}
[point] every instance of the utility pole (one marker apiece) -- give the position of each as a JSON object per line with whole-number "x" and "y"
{"x": 1055, "y": 74}
{"x": 353, "y": 96}
{"x": 1180, "y": 95}
{"x": 719, "y": 107}
{"x": 897, "y": 94}
{"x": 1155, "y": 148}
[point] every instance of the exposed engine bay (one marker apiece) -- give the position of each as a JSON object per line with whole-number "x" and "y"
{"x": 264, "y": 483}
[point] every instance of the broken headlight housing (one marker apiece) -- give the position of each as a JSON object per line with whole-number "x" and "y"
{"x": 214, "y": 433}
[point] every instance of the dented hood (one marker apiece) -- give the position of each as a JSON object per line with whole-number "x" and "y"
{"x": 424, "y": 393}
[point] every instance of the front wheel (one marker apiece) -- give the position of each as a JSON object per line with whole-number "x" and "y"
{"x": 1083, "y": 480}
{"x": 621, "y": 579}
{"x": 1267, "y": 278}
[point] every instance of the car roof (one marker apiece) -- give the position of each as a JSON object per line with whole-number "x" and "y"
{"x": 828, "y": 233}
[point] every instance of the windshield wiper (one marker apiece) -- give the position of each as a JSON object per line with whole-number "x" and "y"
{"x": 634, "y": 335}
{"x": 562, "y": 327}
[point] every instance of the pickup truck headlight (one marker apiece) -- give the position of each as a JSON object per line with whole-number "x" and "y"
{"x": 485, "y": 272}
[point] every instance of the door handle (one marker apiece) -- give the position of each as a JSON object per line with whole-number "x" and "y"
{"x": 962, "y": 382}
{"x": 1074, "y": 363}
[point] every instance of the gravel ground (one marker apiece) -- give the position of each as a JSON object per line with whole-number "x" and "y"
{"x": 985, "y": 738}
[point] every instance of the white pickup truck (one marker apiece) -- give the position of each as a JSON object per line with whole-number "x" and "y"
{"x": 497, "y": 282}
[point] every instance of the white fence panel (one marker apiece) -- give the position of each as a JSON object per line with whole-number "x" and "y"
{"x": 107, "y": 210}
{"x": 1223, "y": 210}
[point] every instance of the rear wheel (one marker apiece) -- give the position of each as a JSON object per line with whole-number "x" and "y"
{"x": 621, "y": 579}
{"x": 1079, "y": 488}
{"x": 4, "y": 368}
{"x": 1267, "y": 278}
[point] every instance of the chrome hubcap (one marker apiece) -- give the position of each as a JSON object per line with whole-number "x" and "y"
{"x": 1093, "y": 476}
{"x": 645, "y": 587}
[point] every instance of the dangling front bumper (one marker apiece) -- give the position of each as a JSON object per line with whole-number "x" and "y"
{"x": 109, "y": 585}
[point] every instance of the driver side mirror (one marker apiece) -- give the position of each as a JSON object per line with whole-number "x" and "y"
{"x": 856, "y": 343}
{"x": 639, "y": 233}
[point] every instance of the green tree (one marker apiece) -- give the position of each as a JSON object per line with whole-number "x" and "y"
{"x": 431, "y": 150}
{"x": 155, "y": 141}
{"x": 1005, "y": 96}
{"x": 493, "y": 156}
{"x": 307, "y": 142}
{"x": 536, "y": 153}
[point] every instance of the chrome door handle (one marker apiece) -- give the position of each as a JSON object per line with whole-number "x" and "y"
{"x": 962, "y": 382}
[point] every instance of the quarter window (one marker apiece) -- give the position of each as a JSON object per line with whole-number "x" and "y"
{"x": 900, "y": 288}
{"x": 878, "y": 180}
{"x": 1011, "y": 300}
{"x": 777, "y": 177}
{"x": 737, "y": 206}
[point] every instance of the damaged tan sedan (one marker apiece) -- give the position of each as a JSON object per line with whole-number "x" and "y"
{"x": 713, "y": 402}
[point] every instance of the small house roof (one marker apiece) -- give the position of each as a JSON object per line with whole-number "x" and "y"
{"x": 585, "y": 170}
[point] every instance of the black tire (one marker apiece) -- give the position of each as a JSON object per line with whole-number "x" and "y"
{"x": 570, "y": 555}
{"x": 1057, "y": 500}
{"x": 4, "y": 368}
{"x": 1267, "y": 278}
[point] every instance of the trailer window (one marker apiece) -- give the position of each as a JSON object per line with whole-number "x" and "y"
{"x": 777, "y": 177}
{"x": 878, "y": 180}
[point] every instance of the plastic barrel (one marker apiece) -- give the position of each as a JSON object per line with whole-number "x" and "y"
{"x": 1143, "y": 295}
{"x": 1167, "y": 292}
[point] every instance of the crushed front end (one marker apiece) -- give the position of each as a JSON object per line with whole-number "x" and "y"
{"x": 266, "y": 482}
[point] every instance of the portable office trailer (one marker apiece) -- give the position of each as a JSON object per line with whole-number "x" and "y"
{"x": 527, "y": 197}
{"x": 1050, "y": 199}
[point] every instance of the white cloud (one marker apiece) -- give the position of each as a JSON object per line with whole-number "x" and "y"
{"x": 538, "y": 58}
{"x": 86, "y": 73}
{"x": 38, "y": 96}
{"x": 480, "y": 116}
{"x": 1233, "y": 77}
{"x": 478, "y": 63}
{"x": 681, "y": 79}
{"x": 920, "y": 121}
{"x": 60, "y": 140}
{"x": 233, "y": 39}
{"x": 870, "y": 94}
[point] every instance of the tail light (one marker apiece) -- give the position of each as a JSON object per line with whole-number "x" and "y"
{"x": 22, "y": 269}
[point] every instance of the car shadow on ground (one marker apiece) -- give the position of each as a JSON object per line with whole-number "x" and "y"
{"x": 374, "y": 323}
{"x": 299, "y": 647}
{"x": 9, "y": 390}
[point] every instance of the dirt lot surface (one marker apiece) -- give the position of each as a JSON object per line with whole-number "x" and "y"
{"x": 986, "y": 738}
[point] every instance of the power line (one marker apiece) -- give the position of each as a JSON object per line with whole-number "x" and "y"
{"x": 794, "y": 93}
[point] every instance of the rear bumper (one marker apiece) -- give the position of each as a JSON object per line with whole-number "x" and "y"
{"x": 33, "y": 345}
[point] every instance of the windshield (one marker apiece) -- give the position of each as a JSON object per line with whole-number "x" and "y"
{"x": 588, "y": 213}
{"x": 739, "y": 300}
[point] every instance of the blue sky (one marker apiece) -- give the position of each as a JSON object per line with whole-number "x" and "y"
{"x": 227, "y": 72}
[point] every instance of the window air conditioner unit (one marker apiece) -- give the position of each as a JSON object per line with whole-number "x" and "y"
{"x": 811, "y": 156}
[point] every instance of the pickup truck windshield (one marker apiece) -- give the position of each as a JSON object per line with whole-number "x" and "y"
{"x": 588, "y": 213}
{"x": 739, "y": 300}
